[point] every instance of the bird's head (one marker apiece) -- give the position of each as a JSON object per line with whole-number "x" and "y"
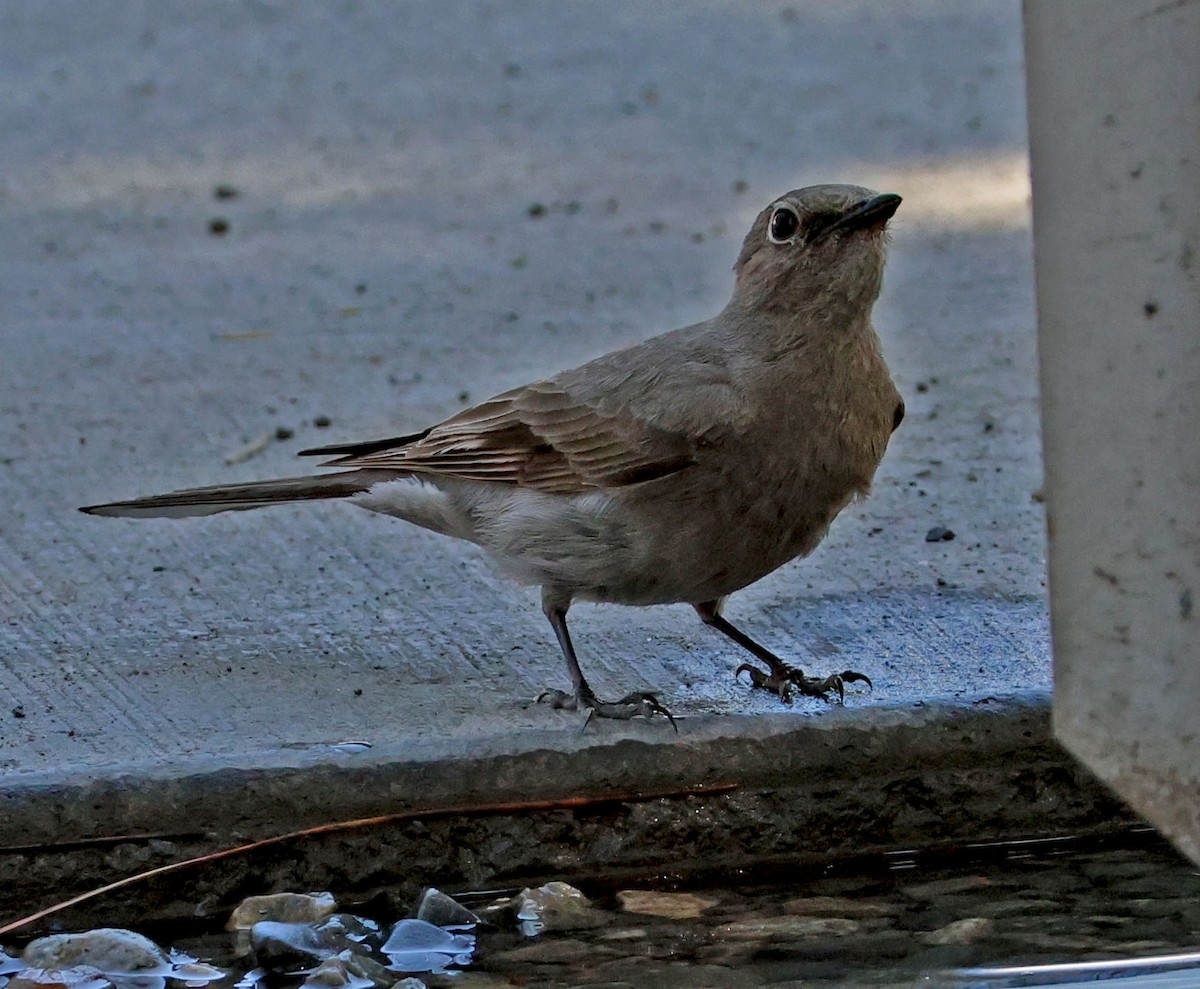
{"x": 820, "y": 246}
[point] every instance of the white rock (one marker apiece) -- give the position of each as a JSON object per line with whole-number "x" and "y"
{"x": 418, "y": 946}
{"x": 110, "y": 949}
{"x": 76, "y": 977}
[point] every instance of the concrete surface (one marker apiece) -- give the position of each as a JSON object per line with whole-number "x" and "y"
{"x": 382, "y": 268}
{"x": 859, "y": 790}
{"x": 1116, "y": 169}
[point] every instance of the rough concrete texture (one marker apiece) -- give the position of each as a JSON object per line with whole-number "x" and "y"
{"x": 383, "y": 266}
{"x": 853, "y": 788}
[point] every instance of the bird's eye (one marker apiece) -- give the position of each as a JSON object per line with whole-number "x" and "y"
{"x": 783, "y": 226}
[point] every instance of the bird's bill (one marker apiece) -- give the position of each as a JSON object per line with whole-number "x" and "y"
{"x": 871, "y": 212}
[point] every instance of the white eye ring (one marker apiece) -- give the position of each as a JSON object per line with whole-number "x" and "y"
{"x": 783, "y": 225}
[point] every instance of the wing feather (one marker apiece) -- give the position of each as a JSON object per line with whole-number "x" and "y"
{"x": 539, "y": 437}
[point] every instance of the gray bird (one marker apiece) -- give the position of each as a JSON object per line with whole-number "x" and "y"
{"x": 677, "y": 470}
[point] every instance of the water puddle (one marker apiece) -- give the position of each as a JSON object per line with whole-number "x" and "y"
{"x": 979, "y": 916}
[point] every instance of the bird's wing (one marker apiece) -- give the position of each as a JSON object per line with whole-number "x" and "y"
{"x": 537, "y": 436}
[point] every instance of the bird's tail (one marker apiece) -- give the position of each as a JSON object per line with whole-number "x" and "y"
{"x": 240, "y": 497}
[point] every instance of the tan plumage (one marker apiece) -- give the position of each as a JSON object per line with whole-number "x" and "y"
{"x": 679, "y": 469}
{"x": 537, "y": 437}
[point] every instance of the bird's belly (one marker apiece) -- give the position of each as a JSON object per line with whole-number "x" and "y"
{"x": 657, "y": 544}
{"x": 713, "y": 549}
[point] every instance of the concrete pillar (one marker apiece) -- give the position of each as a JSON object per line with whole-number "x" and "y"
{"x": 1114, "y": 117}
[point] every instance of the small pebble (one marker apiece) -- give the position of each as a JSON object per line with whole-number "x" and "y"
{"x": 624, "y": 934}
{"x": 965, "y": 931}
{"x": 322, "y": 422}
{"x": 305, "y": 908}
{"x": 562, "y": 951}
{"x": 935, "y": 889}
{"x": 939, "y": 534}
{"x": 435, "y": 907}
{"x": 194, "y": 973}
{"x": 673, "y": 906}
{"x": 557, "y": 906}
{"x": 249, "y": 449}
{"x": 280, "y": 947}
{"x": 332, "y": 973}
{"x": 218, "y": 226}
{"x": 788, "y": 928}
{"x": 836, "y": 906}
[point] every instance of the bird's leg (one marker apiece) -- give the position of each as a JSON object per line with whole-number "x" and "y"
{"x": 781, "y": 677}
{"x": 583, "y": 698}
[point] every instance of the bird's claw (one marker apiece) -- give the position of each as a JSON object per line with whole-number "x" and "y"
{"x": 632, "y": 705}
{"x": 766, "y": 681}
{"x": 781, "y": 680}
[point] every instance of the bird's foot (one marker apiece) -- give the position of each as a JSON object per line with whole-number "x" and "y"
{"x": 782, "y": 679}
{"x": 632, "y": 705}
